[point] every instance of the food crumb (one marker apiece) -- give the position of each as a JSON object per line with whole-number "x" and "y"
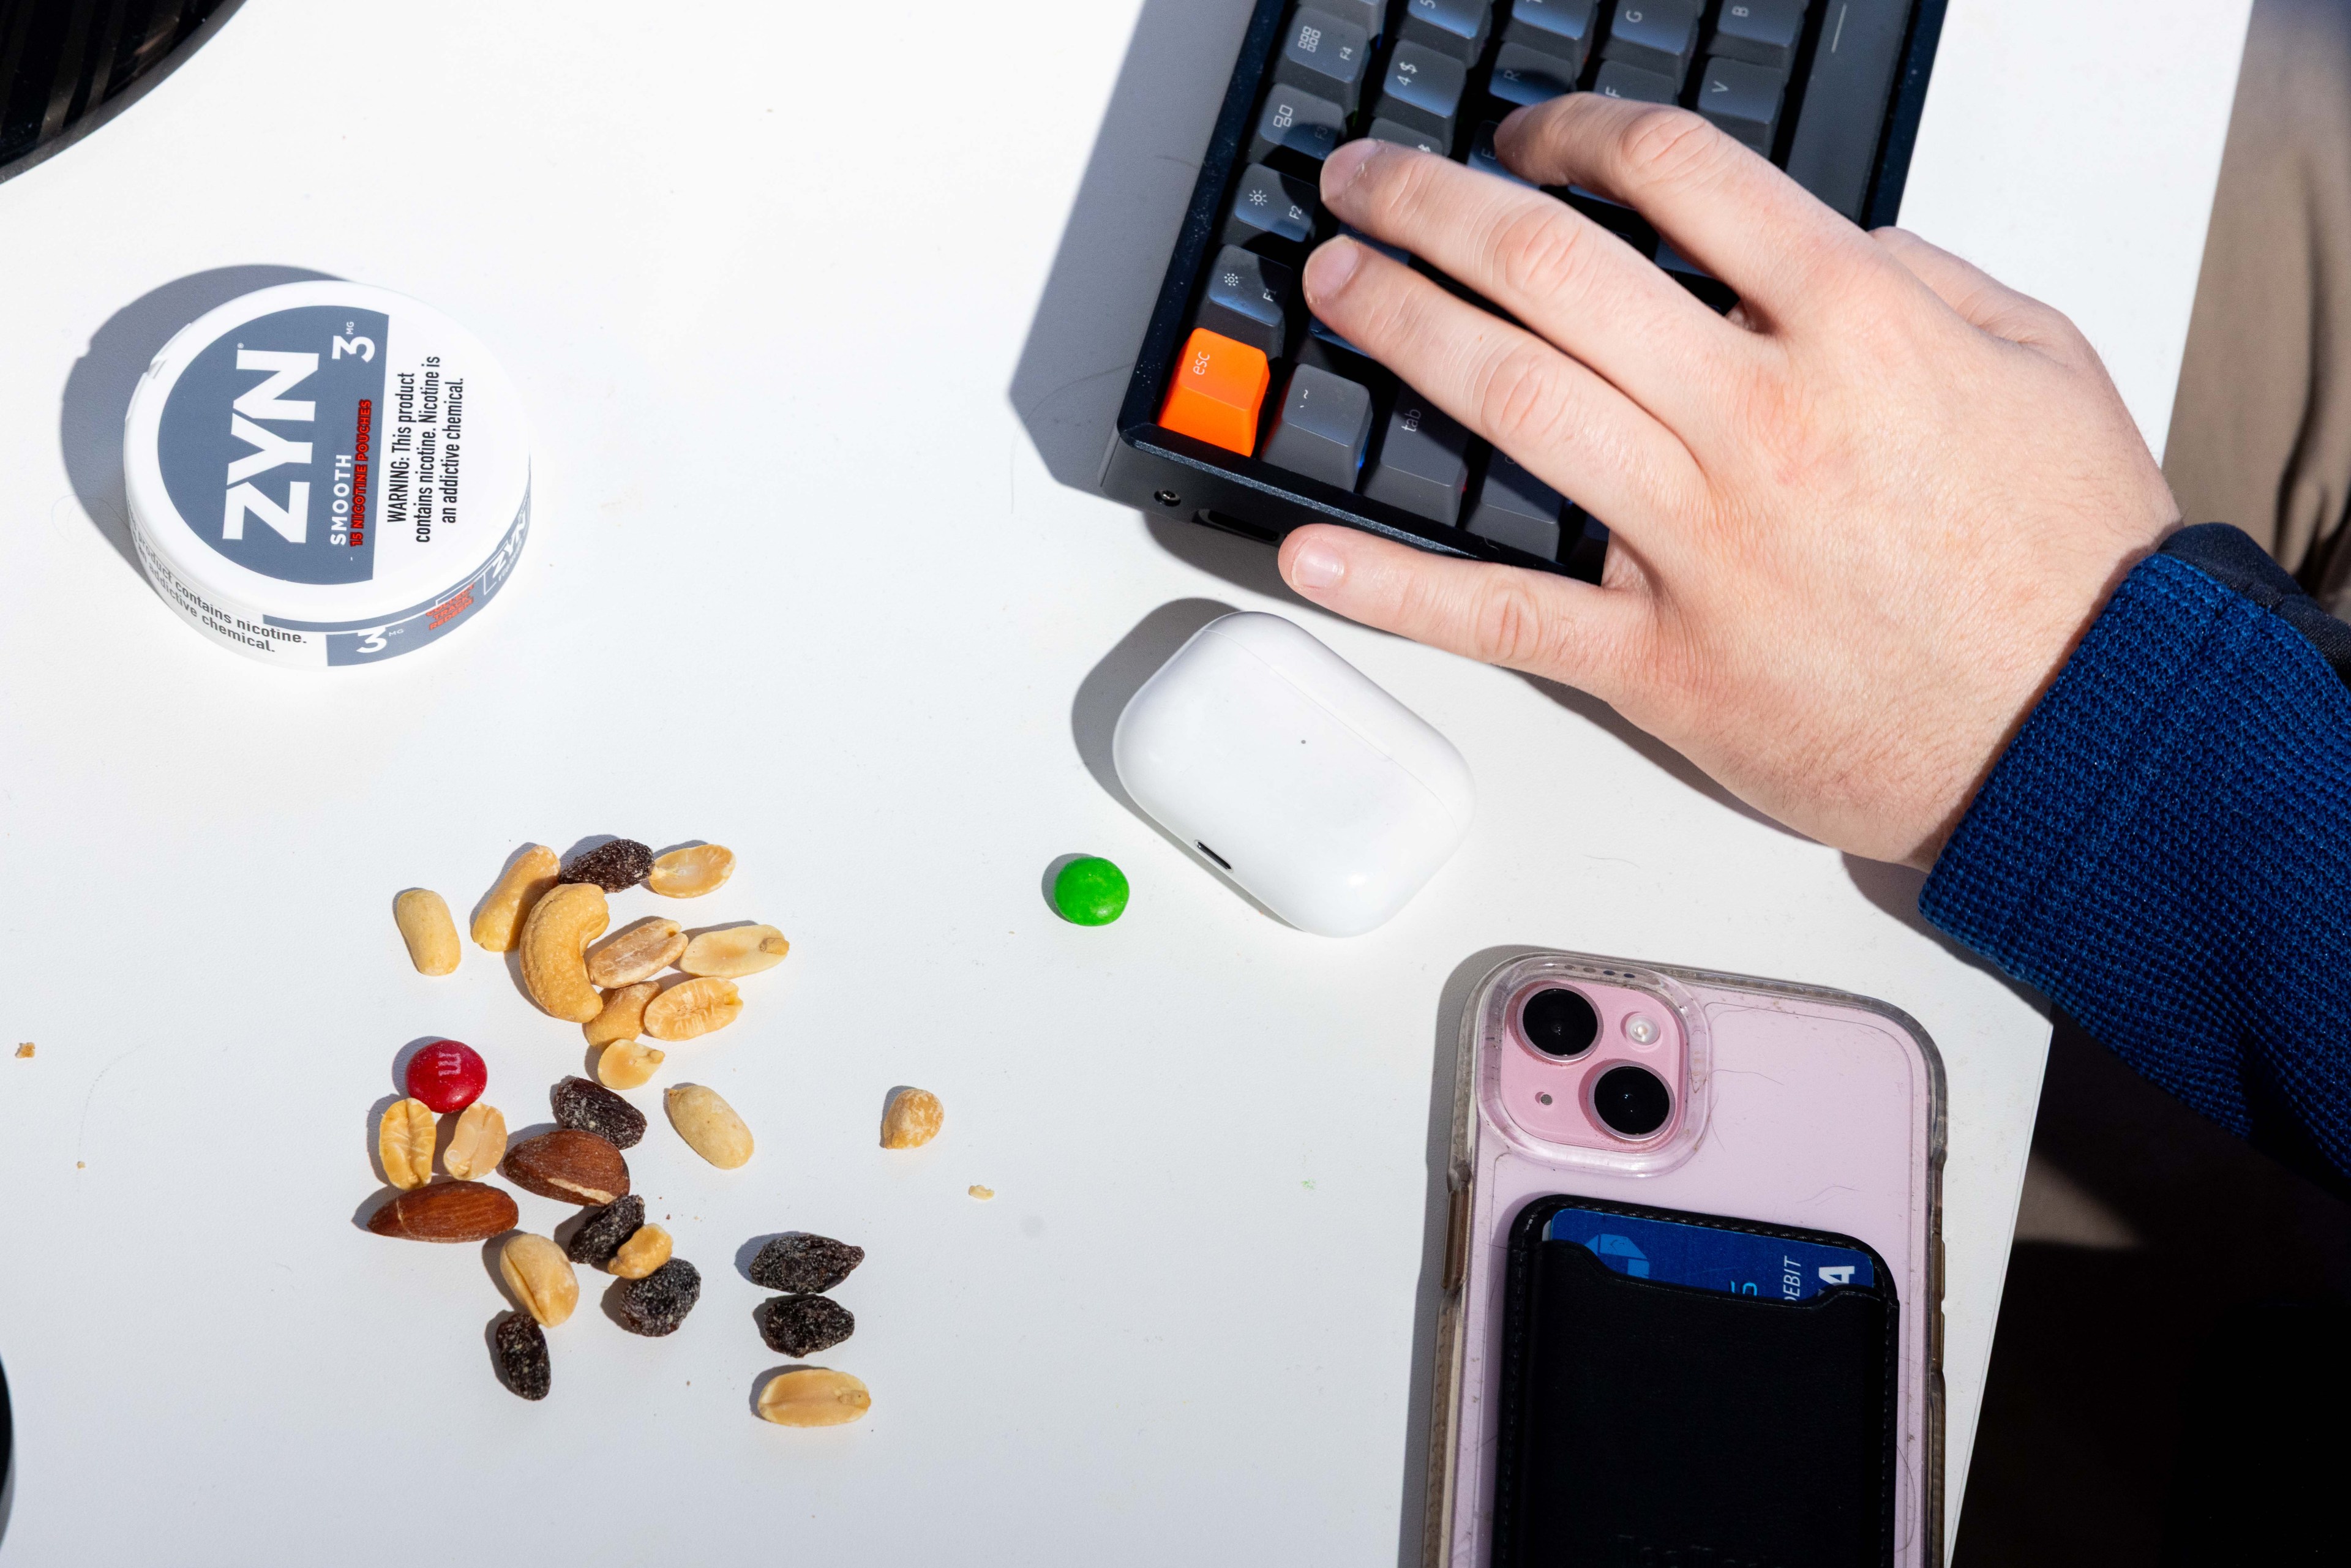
{"x": 981, "y": 1193}
{"x": 81, "y": 1164}
{"x": 25, "y": 1048}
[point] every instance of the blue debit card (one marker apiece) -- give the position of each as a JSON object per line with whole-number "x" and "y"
{"x": 1736, "y": 1262}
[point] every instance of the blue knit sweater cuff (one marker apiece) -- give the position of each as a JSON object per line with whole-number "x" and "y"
{"x": 2165, "y": 850}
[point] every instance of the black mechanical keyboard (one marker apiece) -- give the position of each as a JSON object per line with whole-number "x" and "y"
{"x": 1248, "y": 415}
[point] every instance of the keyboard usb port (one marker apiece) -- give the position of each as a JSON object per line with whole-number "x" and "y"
{"x": 1213, "y": 855}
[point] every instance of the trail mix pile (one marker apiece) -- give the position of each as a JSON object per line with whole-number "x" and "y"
{"x": 555, "y": 916}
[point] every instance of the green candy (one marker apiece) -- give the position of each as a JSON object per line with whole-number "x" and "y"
{"x": 1089, "y": 891}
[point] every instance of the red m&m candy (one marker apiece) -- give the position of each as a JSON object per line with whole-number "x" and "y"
{"x": 447, "y": 1076}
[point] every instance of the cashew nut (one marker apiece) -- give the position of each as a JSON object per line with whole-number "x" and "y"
{"x": 554, "y": 946}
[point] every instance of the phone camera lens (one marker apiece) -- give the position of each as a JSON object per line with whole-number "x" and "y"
{"x": 1631, "y": 1102}
{"x": 1560, "y": 1022}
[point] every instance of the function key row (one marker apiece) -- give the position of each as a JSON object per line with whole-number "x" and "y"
{"x": 1336, "y": 71}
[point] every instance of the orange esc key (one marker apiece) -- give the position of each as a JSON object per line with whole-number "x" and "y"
{"x": 1219, "y": 386}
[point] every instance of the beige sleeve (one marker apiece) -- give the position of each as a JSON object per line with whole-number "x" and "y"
{"x": 2260, "y": 432}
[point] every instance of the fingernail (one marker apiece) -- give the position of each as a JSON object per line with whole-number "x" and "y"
{"x": 1328, "y": 269}
{"x": 1340, "y": 169}
{"x": 1316, "y": 565}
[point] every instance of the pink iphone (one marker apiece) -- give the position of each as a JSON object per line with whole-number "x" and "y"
{"x": 1693, "y": 1274}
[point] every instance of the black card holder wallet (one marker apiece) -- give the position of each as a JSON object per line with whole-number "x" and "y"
{"x": 1646, "y": 1423}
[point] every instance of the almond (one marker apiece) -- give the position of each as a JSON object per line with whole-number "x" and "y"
{"x": 569, "y": 1166}
{"x": 446, "y": 1211}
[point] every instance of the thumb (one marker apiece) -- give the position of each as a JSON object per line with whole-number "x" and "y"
{"x": 1555, "y": 627}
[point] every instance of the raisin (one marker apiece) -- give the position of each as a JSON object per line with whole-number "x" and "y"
{"x": 657, "y": 1303}
{"x": 522, "y": 1355}
{"x": 586, "y": 1107}
{"x": 600, "y": 1235}
{"x": 802, "y": 1265}
{"x": 800, "y": 1326}
{"x": 623, "y": 863}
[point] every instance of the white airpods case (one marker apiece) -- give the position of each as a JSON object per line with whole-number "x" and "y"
{"x": 1325, "y": 797}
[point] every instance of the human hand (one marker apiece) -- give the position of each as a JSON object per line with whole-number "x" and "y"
{"x": 1854, "y": 530}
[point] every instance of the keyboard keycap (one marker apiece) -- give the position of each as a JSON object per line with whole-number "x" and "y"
{"x": 1761, "y": 32}
{"x": 1386, "y": 130}
{"x": 1423, "y": 88}
{"x": 1744, "y": 100}
{"x": 1585, "y": 550}
{"x": 1486, "y": 160}
{"x": 1326, "y": 350}
{"x": 1560, "y": 29}
{"x": 1322, "y": 428}
{"x": 1836, "y": 147}
{"x": 1248, "y": 299}
{"x": 1395, "y": 253}
{"x": 1298, "y": 122}
{"x": 1371, "y": 16}
{"x": 1514, "y": 508}
{"x": 1422, "y": 467}
{"x": 1522, "y": 76}
{"x": 1658, "y": 36}
{"x": 1454, "y": 27}
{"x": 1270, "y": 210}
{"x": 1617, "y": 80}
{"x": 1219, "y": 387}
{"x": 1325, "y": 56}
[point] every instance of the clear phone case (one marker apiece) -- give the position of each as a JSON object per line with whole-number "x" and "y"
{"x": 1801, "y": 1107}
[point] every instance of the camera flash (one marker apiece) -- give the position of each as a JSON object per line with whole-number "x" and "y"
{"x": 1641, "y": 1030}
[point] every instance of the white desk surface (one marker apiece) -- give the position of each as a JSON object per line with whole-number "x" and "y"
{"x": 785, "y": 297}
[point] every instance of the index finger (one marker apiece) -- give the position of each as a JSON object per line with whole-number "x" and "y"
{"x": 1721, "y": 206}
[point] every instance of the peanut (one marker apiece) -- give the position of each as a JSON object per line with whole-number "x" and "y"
{"x": 540, "y": 1276}
{"x": 691, "y": 872}
{"x": 498, "y": 924}
{"x": 554, "y": 939}
{"x": 911, "y": 1119}
{"x": 734, "y": 950}
{"x": 628, "y": 1065}
{"x": 642, "y": 1253}
{"x": 423, "y": 916}
{"x": 709, "y": 1124}
{"x": 635, "y": 952}
{"x": 404, "y": 1144}
{"x": 478, "y": 1143}
{"x": 814, "y": 1396}
{"x": 623, "y": 1013}
{"x": 693, "y": 1008}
